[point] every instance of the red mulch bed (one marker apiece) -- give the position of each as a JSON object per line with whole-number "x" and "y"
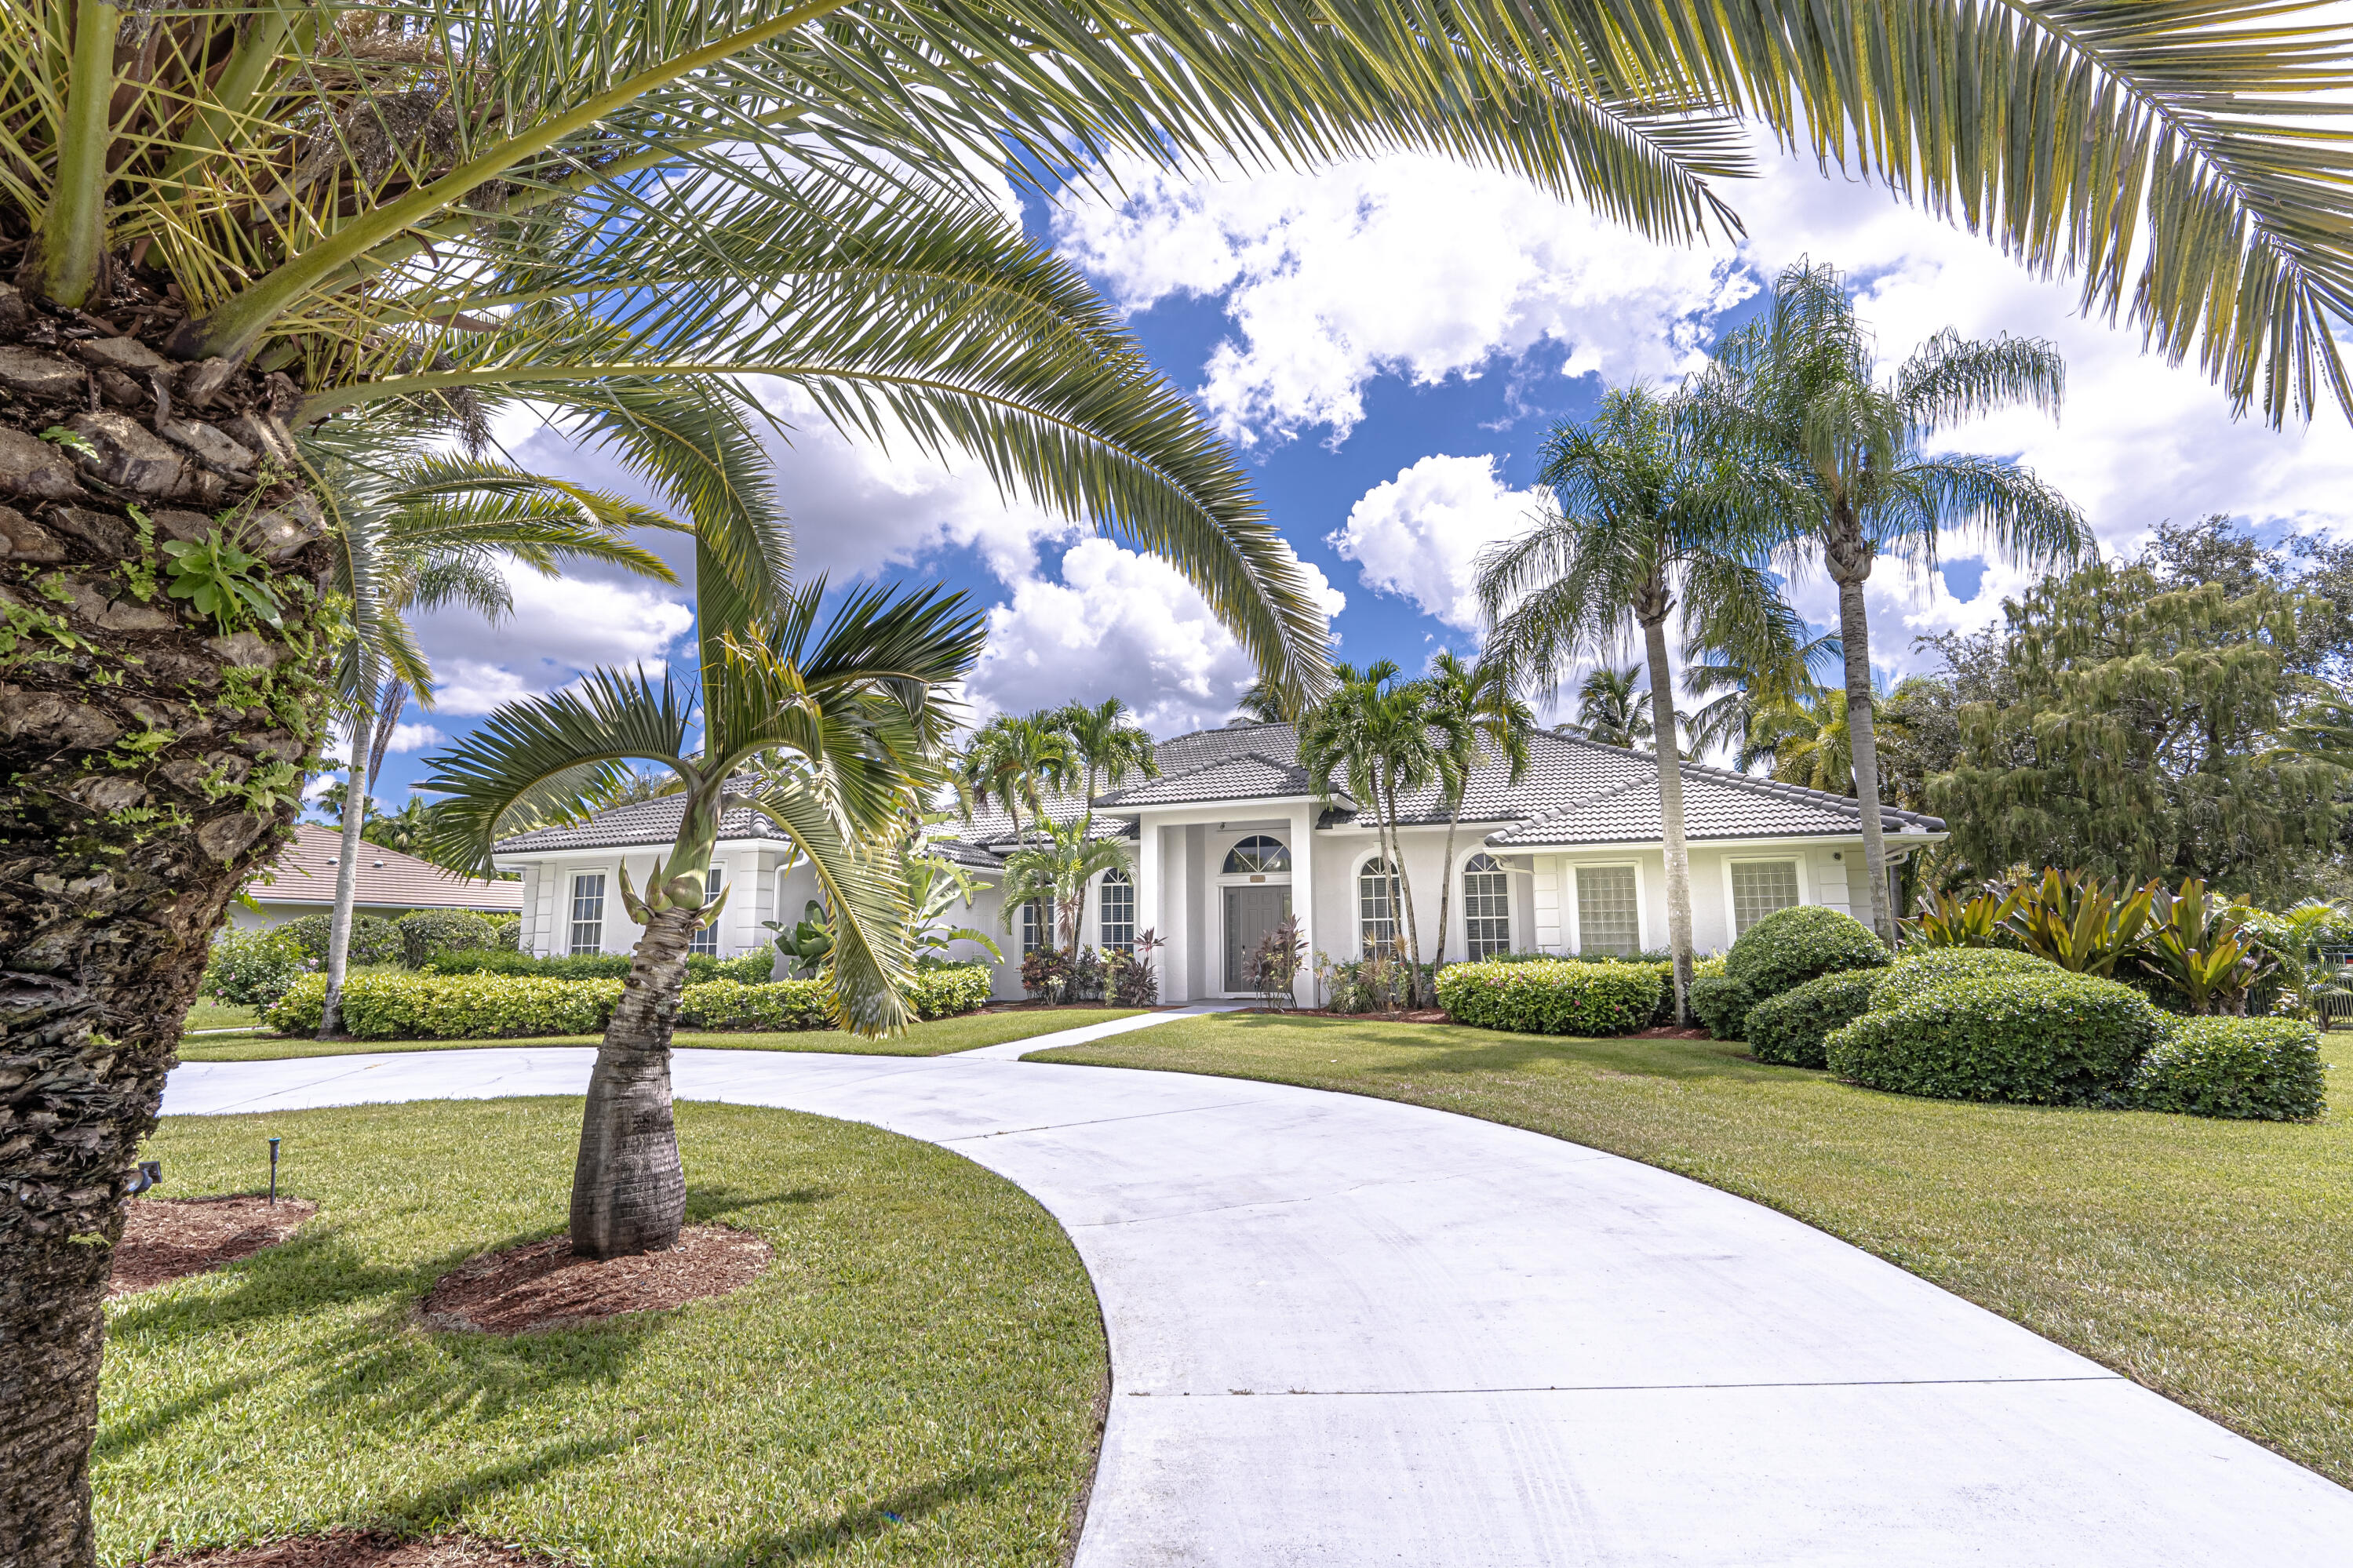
{"x": 169, "y": 1238}
{"x": 1669, "y": 1032}
{"x": 354, "y": 1549}
{"x": 1425, "y": 1016}
{"x": 542, "y": 1285}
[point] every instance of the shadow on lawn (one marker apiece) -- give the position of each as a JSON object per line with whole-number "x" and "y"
{"x": 1458, "y": 1048}
{"x": 903, "y": 1507}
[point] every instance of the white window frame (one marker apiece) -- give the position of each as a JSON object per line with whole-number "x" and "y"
{"x": 706, "y": 938}
{"x": 1462, "y": 899}
{"x": 1102, "y": 883}
{"x": 1040, "y": 911}
{"x": 1356, "y": 903}
{"x": 1787, "y": 858}
{"x": 571, "y": 911}
{"x": 1574, "y": 922}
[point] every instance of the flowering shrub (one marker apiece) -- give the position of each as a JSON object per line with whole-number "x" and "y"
{"x": 2053, "y": 1039}
{"x": 254, "y": 968}
{"x": 1563, "y": 997}
{"x": 2257, "y": 1068}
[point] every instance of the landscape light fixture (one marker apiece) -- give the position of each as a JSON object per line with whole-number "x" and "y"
{"x": 273, "y": 1169}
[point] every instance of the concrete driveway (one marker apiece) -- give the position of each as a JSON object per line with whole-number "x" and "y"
{"x": 1346, "y": 1331}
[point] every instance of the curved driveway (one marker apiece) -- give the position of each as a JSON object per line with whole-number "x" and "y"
{"x": 1347, "y": 1331}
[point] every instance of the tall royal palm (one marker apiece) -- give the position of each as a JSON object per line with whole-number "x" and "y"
{"x": 1647, "y": 523}
{"x": 1841, "y": 456}
{"x": 1484, "y": 721}
{"x": 835, "y": 737}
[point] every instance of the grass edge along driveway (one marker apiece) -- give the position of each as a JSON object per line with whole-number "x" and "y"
{"x": 940, "y": 1037}
{"x": 913, "y": 1379}
{"x": 2210, "y": 1260}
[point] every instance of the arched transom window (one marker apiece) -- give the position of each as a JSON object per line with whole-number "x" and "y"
{"x": 1256, "y": 855}
{"x": 1115, "y": 913}
{"x": 1376, "y": 906}
{"x": 1486, "y": 906}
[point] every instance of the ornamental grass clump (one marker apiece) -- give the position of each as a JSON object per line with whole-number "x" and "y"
{"x": 1789, "y": 1029}
{"x": 1564, "y": 997}
{"x": 2039, "y": 1039}
{"x": 2254, "y": 1068}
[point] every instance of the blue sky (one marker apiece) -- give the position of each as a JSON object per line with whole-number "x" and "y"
{"x": 1386, "y": 344}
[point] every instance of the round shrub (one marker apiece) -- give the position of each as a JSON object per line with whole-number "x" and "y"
{"x": 1721, "y": 1003}
{"x": 2042, "y": 1040}
{"x": 374, "y": 939}
{"x": 2259, "y": 1069}
{"x": 1918, "y": 970}
{"x": 424, "y": 932}
{"x": 1563, "y": 997}
{"x": 1789, "y": 947}
{"x": 1789, "y": 1029}
{"x": 254, "y": 968}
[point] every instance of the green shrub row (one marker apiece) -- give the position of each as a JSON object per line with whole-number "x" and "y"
{"x": 1790, "y": 1029}
{"x": 752, "y": 968}
{"x": 1722, "y": 1005}
{"x": 1921, "y": 970}
{"x": 381, "y": 1006}
{"x": 1564, "y": 996}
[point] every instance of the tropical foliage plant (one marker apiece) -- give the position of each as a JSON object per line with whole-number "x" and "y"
{"x": 1057, "y": 873}
{"x": 2202, "y": 947}
{"x": 1487, "y": 722}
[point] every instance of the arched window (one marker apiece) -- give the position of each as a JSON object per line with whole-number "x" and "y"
{"x": 1256, "y": 854}
{"x": 706, "y": 938}
{"x": 1376, "y": 906}
{"x": 1486, "y": 906}
{"x": 1115, "y": 913}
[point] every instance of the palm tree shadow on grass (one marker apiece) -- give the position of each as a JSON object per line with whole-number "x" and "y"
{"x": 1455, "y": 1049}
{"x": 902, "y": 1507}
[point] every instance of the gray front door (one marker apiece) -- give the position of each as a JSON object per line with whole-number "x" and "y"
{"x": 1251, "y": 913}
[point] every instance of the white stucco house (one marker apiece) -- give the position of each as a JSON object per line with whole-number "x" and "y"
{"x": 1230, "y": 838}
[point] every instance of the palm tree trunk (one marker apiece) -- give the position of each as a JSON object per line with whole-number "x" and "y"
{"x": 347, "y": 870}
{"x": 1446, "y": 873}
{"x": 628, "y": 1190}
{"x": 1671, "y": 810}
{"x": 1854, "y": 629}
{"x": 1405, "y": 897}
{"x": 121, "y": 859}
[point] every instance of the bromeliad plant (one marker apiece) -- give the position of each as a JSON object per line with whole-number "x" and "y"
{"x": 835, "y": 736}
{"x": 2078, "y": 922}
{"x": 1947, "y": 919}
{"x": 2203, "y": 947}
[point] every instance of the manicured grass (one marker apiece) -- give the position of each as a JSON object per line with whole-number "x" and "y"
{"x": 208, "y": 1014}
{"x": 2211, "y": 1260}
{"x": 937, "y": 1039}
{"x": 914, "y": 1380}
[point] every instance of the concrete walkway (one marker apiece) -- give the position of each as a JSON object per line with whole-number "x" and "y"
{"x": 1346, "y": 1331}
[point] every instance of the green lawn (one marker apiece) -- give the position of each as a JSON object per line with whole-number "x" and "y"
{"x": 2211, "y": 1260}
{"x": 208, "y": 1014}
{"x": 914, "y": 1381}
{"x": 937, "y": 1039}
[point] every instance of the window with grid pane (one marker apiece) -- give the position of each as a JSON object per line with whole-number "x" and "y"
{"x": 588, "y": 912}
{"x": 1376, "y": 906}
{"x": 1033, "y": 926}
{"x": 1607, "y": 919}
{"x": 1486, "y": 906}
{"x": 706, "y": 938}
{"x": 1115, "y": 911}
{"x": 1760, "y": 886}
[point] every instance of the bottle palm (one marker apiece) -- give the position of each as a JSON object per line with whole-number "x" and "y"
{"x": 1842, "y": 458}
{"x": 835, "y": 736}
{"x": 1649, "y": 521}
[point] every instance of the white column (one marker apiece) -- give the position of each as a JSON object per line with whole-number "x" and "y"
{"x": 1302, "y": 899}
{"x": 528, "y": 931}
{"x": 1176, "y": 889}
{"x": 1550, "y": 898}
{"x": 1147, "y": 879}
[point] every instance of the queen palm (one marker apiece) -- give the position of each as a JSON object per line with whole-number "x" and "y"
{"x": 1842, "y": 458}
{"x": 1649, "y": 522}
{"x": 1486, "y": 721}
{"x": 1735, "y": 686}
{"x": 835, "y": 737}
{"x": 269, "y": 212}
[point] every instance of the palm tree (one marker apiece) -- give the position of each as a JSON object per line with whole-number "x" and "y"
{"x": 277, "y": 212}
{"x": 1385, "y": 737}
{"x": 427, "y": 530}
{"x": 1107, "y": 743}
{"x": 1649, "y": 522}
{"x": 835, "y": 738}
{"x": 1735, "y": 686}
{"x": 1610, "y": 710}
{"x": 1842, "y": 458}
{"x": 1262, "y": 704}
{"x": 1013, "y": 760}
{"x": 1056, "y": 872}
{"x": 1803, "y": 737}
{"x": 1487, "y": 720}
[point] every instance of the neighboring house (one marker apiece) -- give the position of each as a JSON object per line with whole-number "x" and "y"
{"x": 301, "y": 881}
{"x": 1229, "y": 838}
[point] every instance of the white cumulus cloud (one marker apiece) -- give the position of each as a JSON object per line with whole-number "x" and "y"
{"x": 1420, "y": 534}
{"x": 558, "y": 630}
{"x": 1401, "y": 265}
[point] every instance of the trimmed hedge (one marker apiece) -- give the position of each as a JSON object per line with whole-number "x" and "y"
{"x": 1722, "y": 1005}
{"x": 397, "y": 1006}
{"x": 374, "y": 939}
{"x": 2257, "y": 1068}
{"x": 2042, "y": 1039}
{"x": 1789, "y": 1029}
{"x": 753, "y": 969}
{"x": 1791, "y": 946}
{"x": 424, "y": 932}
{"x": 1564, "y": 996}
{"x": 1918, "y": 970}
{"x": 393, "y": 1006}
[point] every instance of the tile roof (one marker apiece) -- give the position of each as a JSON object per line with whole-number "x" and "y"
{"x": 1251, "y": 775}
{"x": 305, "y": 873}
{"x": 1717, "y": 805}
{"x": 640, "y": 822}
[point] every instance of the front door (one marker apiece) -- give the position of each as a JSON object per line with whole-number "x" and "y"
{"x": 1251, "y": 913}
